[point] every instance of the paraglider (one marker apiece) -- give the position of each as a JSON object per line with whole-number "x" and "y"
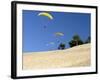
{"x": 46, "y": 14}
{"x": 50, "y": 43}
{"x": 59, "y": 34}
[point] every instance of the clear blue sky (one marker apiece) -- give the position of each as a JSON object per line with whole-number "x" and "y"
{"x": 38, "y": 31}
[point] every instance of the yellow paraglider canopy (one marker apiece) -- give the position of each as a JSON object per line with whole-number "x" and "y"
{"x": 46, "y": 14}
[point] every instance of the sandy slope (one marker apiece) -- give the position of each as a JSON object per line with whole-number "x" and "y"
{"x": 72, "y": 57}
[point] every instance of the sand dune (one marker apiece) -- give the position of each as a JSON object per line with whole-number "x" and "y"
{"x": 72, "y": 57}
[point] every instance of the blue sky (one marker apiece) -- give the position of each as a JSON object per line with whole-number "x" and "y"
{"x": 39, "y": 31}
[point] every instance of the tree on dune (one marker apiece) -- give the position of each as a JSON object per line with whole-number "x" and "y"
{"x": 76, "y": 40}
{"x": 61, "y": 46}
{"x": 88, "y": 40}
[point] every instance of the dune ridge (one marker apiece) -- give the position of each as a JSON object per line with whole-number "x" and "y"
{"x": 73, "y": 57}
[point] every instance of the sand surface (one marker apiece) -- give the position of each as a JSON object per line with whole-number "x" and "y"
{"x": 72, "y": 57}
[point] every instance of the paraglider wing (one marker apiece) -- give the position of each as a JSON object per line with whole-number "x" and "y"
{"x": 59, "y": 34}
{"x": 46, "y": 14}
{"x": 52, "y": 43}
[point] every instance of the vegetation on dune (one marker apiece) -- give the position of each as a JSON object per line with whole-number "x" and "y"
{"x": 61, "y": 46}
{"x": 76, "y": 40}
{"x": 88, "y": 40}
